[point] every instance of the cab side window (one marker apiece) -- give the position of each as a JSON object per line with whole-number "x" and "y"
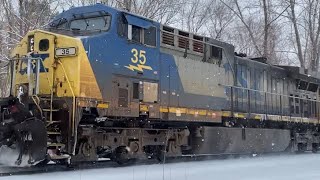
{"x": 150, "y": 36}
{"x": 144, "y": 36}
{"x": 122, "y": 27}
{"x": 137, "y": 34}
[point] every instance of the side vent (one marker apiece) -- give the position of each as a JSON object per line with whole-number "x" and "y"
{"x": 198, "y": 44}
{"x": 183, "y": 40}
{"x": 167, "y": 36}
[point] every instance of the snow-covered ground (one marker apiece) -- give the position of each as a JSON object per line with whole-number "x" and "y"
{"x": 286, "y": 167}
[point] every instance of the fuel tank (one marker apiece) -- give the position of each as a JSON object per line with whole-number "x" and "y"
{"x": 224, "y": 140}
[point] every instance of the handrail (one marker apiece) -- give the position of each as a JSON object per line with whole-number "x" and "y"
{"x": 73, "y": 97}
{"x": 37, "y": 104}
{"x": 51, "y": 91}
{"x": 243, "y": 88}
{"x": 39, "y": 60}
{"x": 32, "y": 58}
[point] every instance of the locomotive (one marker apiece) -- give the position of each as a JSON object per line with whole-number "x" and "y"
{"x": 100, "y": 82}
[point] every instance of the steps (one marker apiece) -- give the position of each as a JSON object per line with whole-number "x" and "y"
{"x": 51, "y": 112}
{"x": 55, "y": 144}
{"x": 53, "y": 133}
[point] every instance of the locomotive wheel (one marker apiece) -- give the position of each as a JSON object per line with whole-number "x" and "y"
{"x": 160, "y": 154}
{"x": 120, "y": 155}
{"x": 44, "y": 162}
{"x": 315, "y": 148}
{"x": 86, "y": 150}
{"x": 302, "y": 147}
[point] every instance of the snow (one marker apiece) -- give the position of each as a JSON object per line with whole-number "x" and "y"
{"x": 8, "y": 156}
{"x": 285, "y": 167}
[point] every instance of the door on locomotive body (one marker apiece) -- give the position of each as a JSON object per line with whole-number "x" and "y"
{"x": 135, "y": 85}
{"x": 241, "y": 94}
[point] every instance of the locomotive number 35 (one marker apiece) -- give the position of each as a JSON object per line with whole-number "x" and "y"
{"x": 138, "y": 56}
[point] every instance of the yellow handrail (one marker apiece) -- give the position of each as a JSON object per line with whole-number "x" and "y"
{"x": 73, "y": 96}
{"x": 37, "y": 104}
{"x": 51, "y": 90}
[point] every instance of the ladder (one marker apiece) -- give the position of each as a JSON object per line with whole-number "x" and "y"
{"x": 48, "y": 107}
{"x": 50, "y": 114}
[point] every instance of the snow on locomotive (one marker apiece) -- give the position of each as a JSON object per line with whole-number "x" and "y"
{"x": 104, "y": 83}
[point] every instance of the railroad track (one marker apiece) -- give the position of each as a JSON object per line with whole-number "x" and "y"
{"x": 10, "y": 171}
{"x": 49, "y": 168}
{"x": 14, "y": 171}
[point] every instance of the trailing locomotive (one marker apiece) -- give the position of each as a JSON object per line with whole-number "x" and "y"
{"x": 104, "y": 83}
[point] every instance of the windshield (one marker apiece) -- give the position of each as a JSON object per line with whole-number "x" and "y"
{"x": 95, "y": 23}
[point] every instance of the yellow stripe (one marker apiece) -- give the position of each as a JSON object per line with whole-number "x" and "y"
{"x": 226, "y": 113}
{"x": 103, "y": 105}
{"x": 144, "y": 108}
{"x": 164, "y": 109}
{"x": 257, "y": 117}
{"x": 172, "y": 110}
{"x": 191, "y": 111}
{"x": 202, "y": 112}
{"x": 213, "y": 114}
{"x": 177, "y": 110}
{"x": 197, "y": 112}
{"x": 181, "y": 110}
{"x": 239, "y": 115}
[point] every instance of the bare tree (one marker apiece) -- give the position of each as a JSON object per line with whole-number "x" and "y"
{"x": 219, "y": 19}
{"x": 15, "y": 23}
{"x": 313, "y": 29}
{"x": 304, "y": 17}
{"x": 194, "y": 15}
{"x": 293, "y": 18}
{"x": 259, "y": 19}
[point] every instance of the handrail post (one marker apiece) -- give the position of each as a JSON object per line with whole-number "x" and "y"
{"x": 11, "y": 76}
{"x": 231, "y": 101}
{"x": 73, "y": 97}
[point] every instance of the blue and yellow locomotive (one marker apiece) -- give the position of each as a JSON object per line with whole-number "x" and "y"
{"x": 104, "y": 83}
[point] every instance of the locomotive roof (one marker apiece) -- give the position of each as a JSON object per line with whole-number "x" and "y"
{"x": 292, "y": 71}
{"x": 303, "y": 74}
{"x": 70, "y": 14}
